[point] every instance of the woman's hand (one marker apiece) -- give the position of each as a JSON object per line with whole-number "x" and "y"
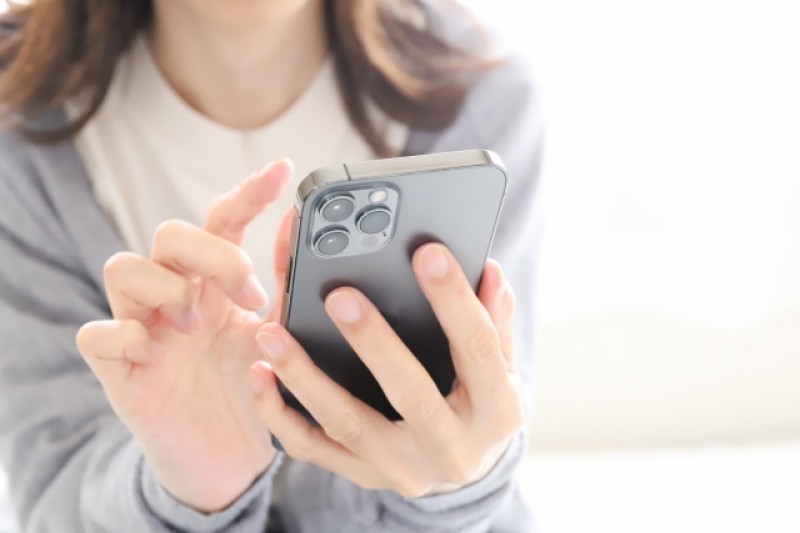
{"x": 174, "y": 361}
{"x": 442, "y": 443}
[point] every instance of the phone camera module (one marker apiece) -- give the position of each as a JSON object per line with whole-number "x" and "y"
{"x": 332, "y": 242}
{"x": 337, "y": 208}
{"x": 374, "y": 220}
{"x": 378, "y": 196}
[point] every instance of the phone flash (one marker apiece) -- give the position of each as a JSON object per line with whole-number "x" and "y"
{"x": 378, "y": 196}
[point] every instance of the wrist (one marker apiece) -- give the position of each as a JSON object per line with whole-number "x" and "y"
{"x": 491, "y": 458}
{"x": 204, "y": 490}
{"x": 249, "y": 508}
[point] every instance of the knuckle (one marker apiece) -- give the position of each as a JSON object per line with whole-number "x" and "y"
{"x": 344, "y": 428}
{"x": 242, "y": 257}
{"x": 177, "y": 289}
{"x": 228, "y": 223}
{"x": 483, "y": 343}
{"x": 231, "y": 263}
{"x": 117, "y": 264}
{"x": 462, "y": 290}
{"x": 85, "y": 337}
{"x": 216, "y": 211}
{"x": 171, "y": 229}
{"x": 427, "y": 406}
{"x": 419, "y": 402}
{"x": 299, "y": 449}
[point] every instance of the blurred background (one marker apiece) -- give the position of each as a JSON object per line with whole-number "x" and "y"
{"x": 668, "y": 393}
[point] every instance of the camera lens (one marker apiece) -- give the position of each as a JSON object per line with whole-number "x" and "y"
{"x": 332, "y": 242}
{"x": 374, "y": 221}
{"x": 337, "y": 208}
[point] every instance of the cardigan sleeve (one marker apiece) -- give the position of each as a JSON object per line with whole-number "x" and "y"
{"x": 71, "y": 464}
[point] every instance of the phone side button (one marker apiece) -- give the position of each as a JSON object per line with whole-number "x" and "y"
{"x": 288, "y": 276}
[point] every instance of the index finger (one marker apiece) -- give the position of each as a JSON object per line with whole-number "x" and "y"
{"x": 232, "y": 212}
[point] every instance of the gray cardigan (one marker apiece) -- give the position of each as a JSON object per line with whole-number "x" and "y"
{"x": 73, "y": 466}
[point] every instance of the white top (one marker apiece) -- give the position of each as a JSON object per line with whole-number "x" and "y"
{"x": 152, "y": 157}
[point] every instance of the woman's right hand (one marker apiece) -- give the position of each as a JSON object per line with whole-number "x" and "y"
{"x": 174, "y": 362}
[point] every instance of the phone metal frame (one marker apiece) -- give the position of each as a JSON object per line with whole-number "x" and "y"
{"x": 362, "y": 170}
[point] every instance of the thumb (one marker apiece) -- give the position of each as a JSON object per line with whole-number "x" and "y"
{"x": 282, "y": 244}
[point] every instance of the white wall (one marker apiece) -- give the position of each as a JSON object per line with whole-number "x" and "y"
{"x": 670, "y": 285}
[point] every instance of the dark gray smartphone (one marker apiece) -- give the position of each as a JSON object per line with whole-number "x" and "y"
{"x": 358, "y": 225}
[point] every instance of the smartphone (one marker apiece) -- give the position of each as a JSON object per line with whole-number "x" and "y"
{"x": 358, "y": 225}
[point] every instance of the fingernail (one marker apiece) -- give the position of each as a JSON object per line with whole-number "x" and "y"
{"x": 254, "y": 294}
{"x": 345, "y": 307}
{"x": 192, "y": 322}
{"x": 271, "y": 345}
{"x": 265, "y": 168}
{"x": 289, "y": 163}
{"x": 286, "y": 161}
{"x": 434, "y": 261}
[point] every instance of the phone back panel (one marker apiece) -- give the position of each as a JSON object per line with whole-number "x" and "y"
{"x": 458, "y": 207}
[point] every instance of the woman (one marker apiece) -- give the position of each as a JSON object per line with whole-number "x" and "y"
{"x": 126, "y": 120}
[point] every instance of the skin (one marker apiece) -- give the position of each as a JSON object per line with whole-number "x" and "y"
{"x": 443, "y": 443}
{"x": 190, "y": 367}
{"x": 239, "y": 62}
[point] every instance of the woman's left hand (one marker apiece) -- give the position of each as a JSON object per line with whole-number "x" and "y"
{"x": 443, "y": 443}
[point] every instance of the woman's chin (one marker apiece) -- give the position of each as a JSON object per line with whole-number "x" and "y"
{"x": 247, "y": 12}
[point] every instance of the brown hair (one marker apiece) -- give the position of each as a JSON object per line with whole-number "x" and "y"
{"x": 388, "y": 51}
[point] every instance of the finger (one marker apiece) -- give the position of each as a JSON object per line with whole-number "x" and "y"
{"x": 282, "y": 245}
{"x": 498, "y": 298}
{"x": 232, "y": 212}
{"x": 344, "y": 418}
{"x": 299, "y": 439}
{"x": 112, "y": 347}
{"x": 476, "y": 348}
{"x": 138, "y": 288}
{"x": 188, "y": 250}
{"x": 406, "y": 383}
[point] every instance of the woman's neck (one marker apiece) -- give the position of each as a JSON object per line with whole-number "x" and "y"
{"x": 240, "y": 75}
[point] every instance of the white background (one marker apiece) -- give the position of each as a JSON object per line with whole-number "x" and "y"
{"x": 669, "y": 299}
{"x": 668, "y": 394}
